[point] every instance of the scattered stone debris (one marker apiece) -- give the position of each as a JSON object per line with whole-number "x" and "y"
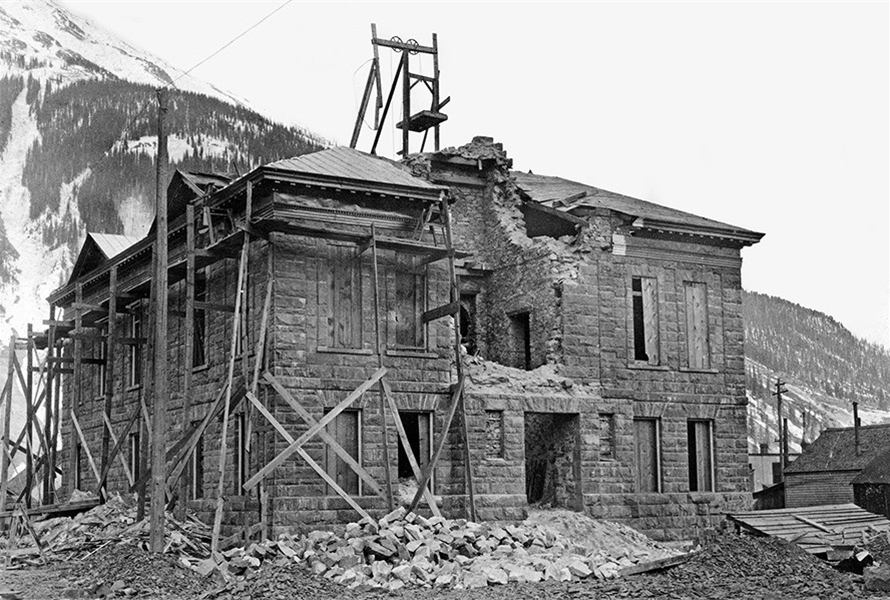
{"x": 403, "y": 550}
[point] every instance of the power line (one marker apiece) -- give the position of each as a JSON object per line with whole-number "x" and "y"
{"x": 232, "y": 41}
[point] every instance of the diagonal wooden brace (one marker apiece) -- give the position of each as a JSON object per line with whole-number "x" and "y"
{"x": 431, "y": 467}
{"x": 315, "y": 466}
{"x": 406, "y": 446}
{"x": 346, "y": 403}
{"x": 324, "y": 435}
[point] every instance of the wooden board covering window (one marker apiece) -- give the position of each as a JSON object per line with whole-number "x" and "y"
{"x": 409, "y": 305}
{"x": 344, "y": 301}
{"x": 197, "y": 467}
{"x": 697, "y": 346}
{"x": 647, "y": 457}
{"x": 701, "y": 468}
{"x": 346, "y": 430}
{"x": 644, "y": 292}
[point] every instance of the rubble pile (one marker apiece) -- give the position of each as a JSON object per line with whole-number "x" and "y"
{"x": 115, "y": 522}
{"x": 405, "y": 549}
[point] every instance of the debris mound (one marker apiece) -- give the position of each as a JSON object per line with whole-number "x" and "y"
{"x": 408, "y": 550}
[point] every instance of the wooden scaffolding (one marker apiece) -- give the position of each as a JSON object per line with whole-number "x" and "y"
{"x": 212, "y": 235}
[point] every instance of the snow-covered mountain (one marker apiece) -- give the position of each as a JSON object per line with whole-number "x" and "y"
{"x": 77, "y": 152}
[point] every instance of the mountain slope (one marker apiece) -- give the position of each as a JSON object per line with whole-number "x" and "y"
{"x": 77, "y": 145}
{"x": 825, "y": 366}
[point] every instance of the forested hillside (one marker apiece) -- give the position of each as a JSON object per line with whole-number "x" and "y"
{"x": 80, "y": 128}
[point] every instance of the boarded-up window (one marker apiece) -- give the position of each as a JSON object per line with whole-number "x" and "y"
{"x": 341, "y": 299}
{"x": 410, "y": 302}
{"x": 419, "y": 433}
{"x": 494, "y": 434}
{"x": 134, "y": 367}
{"x": 607, "y": 436}
{"x": 647, "y": 455}
{"x": 197, "y": 469}
{"x": 644, "y": 291}
{"x": 697, "y": 346}
{"x": 199, "y": 318}
{"x": 346, "y": 429}
{"x": 701, "y": 465}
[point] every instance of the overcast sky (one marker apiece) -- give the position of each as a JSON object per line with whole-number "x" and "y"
{"x": 770, "y": 116}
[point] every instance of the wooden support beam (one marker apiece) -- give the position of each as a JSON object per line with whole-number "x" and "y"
{"x": 117, "y": 447}
{"x": 29, "y": 416}
{"x": 111, "y": 332}
{"x": 406, "y": 446}
{"x": 47, "y": 495}
{"x": 346, "y": 403}
{"x": 315, "y": 466}
{"x": 215, "y": 307}
{"x": 324, "y": 435}
{"x": 242, "y": 272}
{"x": 77, "y": 383}
{"x": 443, "y": 437}
{"x": 442, "y": 311}
{"x": 110, "y": 432}
{"x": 379, "y": 349}
{"x": 190, "y": 275}
{"x": 178, "y": 465}
{"x": 86, "y": 448}
{"x": 458, "y": 359}
{"x": 6, "y": 396}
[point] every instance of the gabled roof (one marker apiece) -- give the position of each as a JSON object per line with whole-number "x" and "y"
{"x": 98, "y": 248}
{"x": 352, "y": 165}
{"x": 565, "y": 195}
{"x": 835, "y": 450}
{"x": 877, "y": 471}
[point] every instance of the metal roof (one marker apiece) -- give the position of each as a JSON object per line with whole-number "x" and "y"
{"x": 346, "y": 163}
{"x": 111, "y": 244}
{"x": 567, "y": 195}
{"x": 835, "y": 450}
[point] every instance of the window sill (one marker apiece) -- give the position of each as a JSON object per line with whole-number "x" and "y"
{"x": 201, "y": 368}
{"x": 647, "y": 367}
{"x": 411, "y": 353}
{"x": 495, "y": 461}
{"x": 134, "y": 388}
{"x": 357, "y": 351}
{"x": 688, "y": 370}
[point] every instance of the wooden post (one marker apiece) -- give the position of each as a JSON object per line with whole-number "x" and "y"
{"x": 7, "y": 412}
{"x": 436, "y": 89}
{"x": 378, "y": 103}
{"x": 110, "y": 343}
{"x": 784, "y": 444}
{"x": 455, "y": 297}
{"x": 50, "y": 466}
{"x": 161, "y": 385}
{"x": 778, "y": 395}
{"x": 379, "y": 345}
{"x": 185, "y": 482}
{"x": 77, "y": 383}
{"x": 242, "y": 267}
{"x": 29, "y": 422}
{"x": 406, "y": 102}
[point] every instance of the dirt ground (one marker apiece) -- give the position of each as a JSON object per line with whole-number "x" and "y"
{"x": 741, "y": 568}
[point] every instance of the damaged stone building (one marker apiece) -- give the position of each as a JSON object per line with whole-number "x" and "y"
{"x": 602, "y": 365}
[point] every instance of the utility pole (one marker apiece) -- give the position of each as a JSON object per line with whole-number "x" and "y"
{"x": 781, "y": 425}
{"x": 161, "y": 386}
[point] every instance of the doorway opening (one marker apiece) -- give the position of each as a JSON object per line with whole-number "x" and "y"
{"x": 553, "y": 460}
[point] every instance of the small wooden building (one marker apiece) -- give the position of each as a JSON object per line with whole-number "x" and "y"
{"x": 824, "y": 473}
{"x": 871, "y": 488}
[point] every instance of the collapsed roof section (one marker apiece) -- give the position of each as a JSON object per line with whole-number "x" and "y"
{"x": 571, "y": 197}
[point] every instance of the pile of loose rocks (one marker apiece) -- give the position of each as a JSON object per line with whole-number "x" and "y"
{"x": 405, "y": 549}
